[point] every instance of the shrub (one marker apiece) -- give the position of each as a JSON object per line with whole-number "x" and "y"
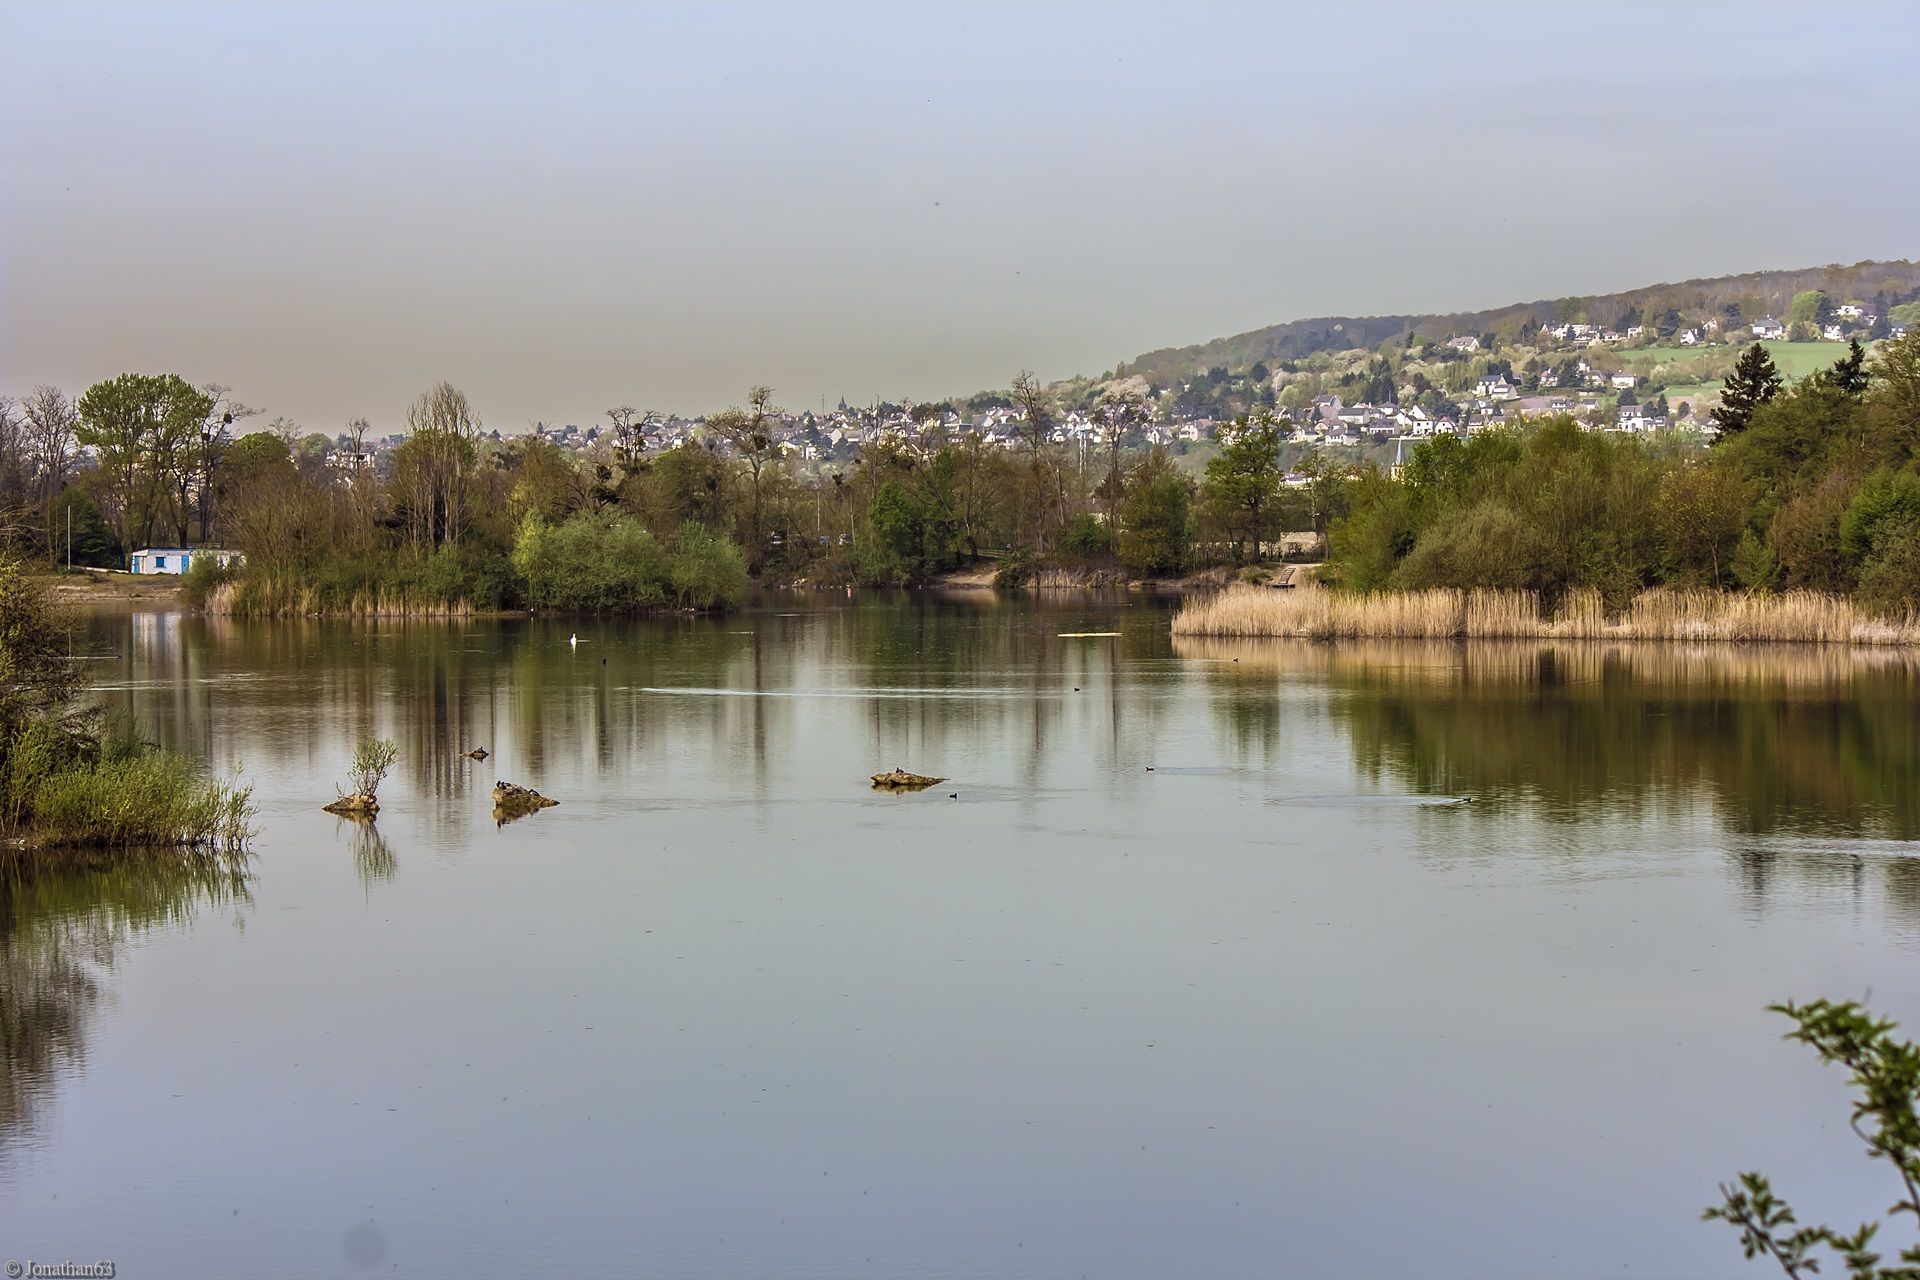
{"x": 141, "y": 797}
{"x": 1488, "y": 546}
{"x": 372, "y": 761}
{"x": 1805, "y": 536}
{"x": 1085, "y": 538}
{"x": 202, "y": 577}
{"x": 1886, "y": 508}
{"x": 708, "y": 571}
{"x": 591, "y": 562}
{"x": 1015, "y": 571}
{"x": 1890, "y": 582}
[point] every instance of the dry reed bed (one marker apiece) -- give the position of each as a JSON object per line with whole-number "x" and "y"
{"x": 234, "y": 600}
{"x": 1797, "y": 617}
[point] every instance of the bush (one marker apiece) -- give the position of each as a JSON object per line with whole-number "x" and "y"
{"x": 708, "y": 571}
{"x": 140, "y": 797}
{"x": 593, "y": 563}
{"x": 1805, "y": 536}
{"x": 200, "y": 579}
{"x": 1890, "y": 582}
{"x": 1085, "y": 538}
{"x": 1015, "y": 571}
{"x": 1487, "y": 546}
{"x": 1886, "y": 509}
{"x": 372, "y": 761}
{"x": 608, "y": 563}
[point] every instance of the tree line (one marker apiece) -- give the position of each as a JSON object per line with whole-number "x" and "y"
{"x": 1815, "y": 486}
{"x": 454, "y": 514}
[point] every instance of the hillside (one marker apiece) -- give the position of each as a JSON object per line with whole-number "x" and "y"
{"x": 1756, "y": 294}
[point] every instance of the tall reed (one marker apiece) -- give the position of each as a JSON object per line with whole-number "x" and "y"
{"x": 1792, "y": 617}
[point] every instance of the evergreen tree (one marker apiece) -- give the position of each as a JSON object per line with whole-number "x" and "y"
{"x": 1849, "y": 372}
{"x": 1753, "y": 382}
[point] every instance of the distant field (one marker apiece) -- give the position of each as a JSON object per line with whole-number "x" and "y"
{"x": 1794, "y": 359}
{"x": 1694, "y": 393}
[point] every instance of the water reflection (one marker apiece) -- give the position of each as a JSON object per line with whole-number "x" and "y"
{"x": 1135, "y": 989}
{"x": 373, "y": 858}
{"x": 62, "y": 929}
{"x": 1804, "y": 740}
{"x": 925, "y": 670}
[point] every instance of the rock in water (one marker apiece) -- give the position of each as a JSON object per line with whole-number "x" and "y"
{"x": 513, "y": 800}
{"x": 900, "y": 780}
{"x": 356, "y": 805}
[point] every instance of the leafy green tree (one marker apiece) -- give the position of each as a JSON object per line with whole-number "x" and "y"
{"x": 1156, "y": 518}
{"x": 1893, "y": 400}
{"x": 1886, "y": 509}
{"x": 1701, "y": 512}
{"x": 895, "y": 550}
{"x": 1242, "y": 488}
{"x": 1085, "y": 538}
{"x": 139, "y": 424}
{"x": 1753, "y": 382}
{"x": 1812, "y": 307}
{"x": 1885, "y": 1074}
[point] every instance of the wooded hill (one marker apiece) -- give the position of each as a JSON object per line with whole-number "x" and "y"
{"x": 1756, "y": 294}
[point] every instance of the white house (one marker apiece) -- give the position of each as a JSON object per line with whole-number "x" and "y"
{"x": 1639, "y": 417}
{"x": 1851, "y": 311}
{"x": 1769, "y": 328}
{"x": 179, "y": 559}
{"x": 1690, "y": 338}
{"x": 1623, "y": 380}
{"x": 1494, "y": 386}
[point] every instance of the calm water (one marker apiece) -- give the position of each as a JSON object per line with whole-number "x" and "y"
{"x": 1195, "y": 967}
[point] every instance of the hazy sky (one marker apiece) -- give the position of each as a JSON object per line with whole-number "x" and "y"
{"x": 559, "y": 208}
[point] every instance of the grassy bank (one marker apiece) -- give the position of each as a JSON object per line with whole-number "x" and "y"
{"x": 125, "y": 796}
{"x": 65, "y": 783}
{"x": 1791, "y": 617}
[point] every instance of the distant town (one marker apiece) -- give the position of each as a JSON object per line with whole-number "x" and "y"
{"x": 1636, "y": 379}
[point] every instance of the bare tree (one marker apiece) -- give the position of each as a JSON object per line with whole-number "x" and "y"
{"x": 205, "y": 452}
{"x": 16, "y": 475}
{"x": 1037, "y": 414}
{"x": 436, "y": 463}
{"x": 630, "y": 434}
{"x": 49, "y": 419}
{"x": 746, "y": 433}
{"x": 1122, "y": 409}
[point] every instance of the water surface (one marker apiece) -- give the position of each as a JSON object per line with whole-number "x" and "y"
{"x": 1197, "y": 964}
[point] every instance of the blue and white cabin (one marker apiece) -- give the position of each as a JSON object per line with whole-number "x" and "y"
{"x": 179, "y": 559}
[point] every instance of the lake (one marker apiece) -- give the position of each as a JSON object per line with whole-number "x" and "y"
{"x": 1200, "y": 963}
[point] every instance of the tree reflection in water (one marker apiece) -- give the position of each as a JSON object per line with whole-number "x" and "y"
{"x": 373, "y": 859}
{"x": 1809, "y": 755}
{"x": 63, "y": 926}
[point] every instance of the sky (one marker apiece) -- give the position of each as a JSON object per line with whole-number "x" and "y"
{"x": 561, "y": 208}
